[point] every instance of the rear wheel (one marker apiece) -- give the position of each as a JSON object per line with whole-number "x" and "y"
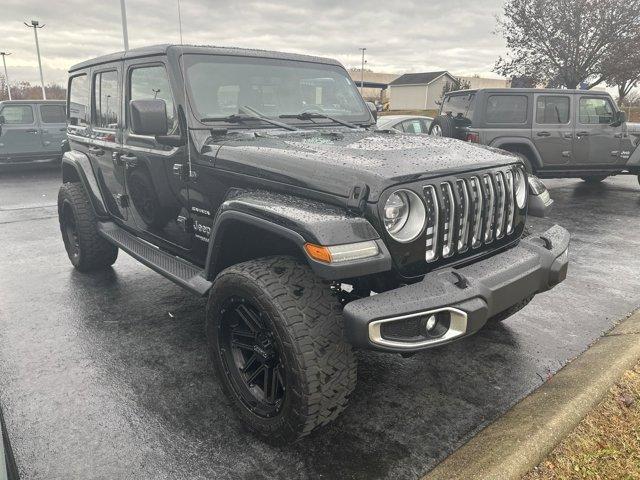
{"x": 442, "y": 126}
{"x": 86, "y": 249}
{"x": 276, "y": 339}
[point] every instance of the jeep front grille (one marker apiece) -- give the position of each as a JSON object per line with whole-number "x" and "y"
{"x": 468, "y": 212}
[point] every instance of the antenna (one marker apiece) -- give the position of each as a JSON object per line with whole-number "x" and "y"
{"x": 184, "y": 85}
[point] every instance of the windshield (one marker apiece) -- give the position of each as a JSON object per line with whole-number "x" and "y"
{"x": 220, "y": 86}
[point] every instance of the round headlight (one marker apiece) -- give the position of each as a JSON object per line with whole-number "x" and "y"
{"x": 404, "y": 215}
{"x": 521, "y": 187}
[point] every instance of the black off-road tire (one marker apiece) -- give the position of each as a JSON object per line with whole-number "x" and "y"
{"x": 88, "y": 251}
{"x": 500, "y": 317}
{"x": 446, "y": 124}
{"x": 306, "y": 320}
{"x": 595, "y": 179}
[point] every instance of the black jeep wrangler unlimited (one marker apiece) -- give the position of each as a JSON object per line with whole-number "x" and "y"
{"x": 259, "y": 179}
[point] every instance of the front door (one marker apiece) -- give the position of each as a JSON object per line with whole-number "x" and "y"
{"x": 106, "y": 133}
{"x": 53, "y": 125}
{"x": 553, "y": 129}
{"x": 596, "y": 141}
{"x": 20, "y": 139}
{"x": 158, "y": 193}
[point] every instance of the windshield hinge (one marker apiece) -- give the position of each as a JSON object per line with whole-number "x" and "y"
{"x": 358, "y": 196}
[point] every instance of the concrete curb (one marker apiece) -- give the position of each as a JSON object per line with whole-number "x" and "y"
{"x": 518, "y": 441}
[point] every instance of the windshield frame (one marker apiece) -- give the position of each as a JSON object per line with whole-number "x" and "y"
{"x": 366, "y": 119}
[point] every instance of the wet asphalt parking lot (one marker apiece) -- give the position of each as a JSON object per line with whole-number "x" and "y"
{"x": 107, "y": 376}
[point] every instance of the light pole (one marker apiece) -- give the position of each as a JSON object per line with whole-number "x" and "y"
{"x": 362, "y": 73}
{"x": 6, "y": 75}
{"x": 35, "y": 25}
{"x": 125, "y": 32}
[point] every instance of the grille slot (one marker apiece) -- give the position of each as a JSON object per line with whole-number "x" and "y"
{"x": 468, "y": 212}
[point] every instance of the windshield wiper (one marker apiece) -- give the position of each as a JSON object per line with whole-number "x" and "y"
{"x": 252, "y": 115}
{"x": 311, "y": 115}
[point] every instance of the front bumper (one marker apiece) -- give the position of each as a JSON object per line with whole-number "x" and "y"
{"x": 468, "y": 295}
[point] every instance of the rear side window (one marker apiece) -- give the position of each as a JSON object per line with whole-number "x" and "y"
{"x": 52, "y": 114}
{"x": 151, "y": 82}
{"x": 106, "y": 100}
{"x": 459, "y": 106}
{"x": 552, "y": 110}
{"x": 79, "y": 101}
{"x": 17, "y": 114}
{"x": 415, "y": 126}
{"x": 595, "y": 111}
{"x": 506, "y": 109}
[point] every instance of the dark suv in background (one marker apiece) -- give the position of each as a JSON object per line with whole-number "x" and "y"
{"x": 557, "y": 133}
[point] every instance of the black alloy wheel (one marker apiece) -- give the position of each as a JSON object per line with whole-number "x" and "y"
{"x": 70, "y": 231}
{"x": 250, "y": 355}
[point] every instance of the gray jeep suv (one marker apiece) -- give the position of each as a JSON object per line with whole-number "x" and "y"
{"x": 557, "y": 133}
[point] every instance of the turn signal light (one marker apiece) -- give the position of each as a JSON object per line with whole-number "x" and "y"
{"x": 342, "y": 253}
{"x": 318, "y": 252}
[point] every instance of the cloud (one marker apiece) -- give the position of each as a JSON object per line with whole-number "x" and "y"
{"x": 400, "y": 37}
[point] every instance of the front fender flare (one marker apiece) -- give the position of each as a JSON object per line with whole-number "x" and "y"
{"x": 299, "y": 221}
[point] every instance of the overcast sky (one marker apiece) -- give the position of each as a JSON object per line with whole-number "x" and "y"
{"x": 403, "y": 36}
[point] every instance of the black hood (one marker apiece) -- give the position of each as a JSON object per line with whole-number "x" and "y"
{"x": 334, "y": 162}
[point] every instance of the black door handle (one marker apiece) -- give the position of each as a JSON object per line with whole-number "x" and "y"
{"x": 543, "y": 134}
{"x": 31, "y": 130}
{"x": 568, "y": 135}
{"x": 582, "y": 134}
{"x": 96, "y": 151}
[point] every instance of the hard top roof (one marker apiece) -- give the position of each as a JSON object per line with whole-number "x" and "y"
{"x": 212, "y": 50}
{"x": 565, "y": 91}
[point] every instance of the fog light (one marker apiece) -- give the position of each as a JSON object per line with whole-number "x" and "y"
{"x": 435, "y": 325}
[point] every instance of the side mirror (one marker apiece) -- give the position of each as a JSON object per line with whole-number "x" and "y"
{"x": 620, "y": 117}
{"x": 373, "y": 109}
{"x": 148, "y": 117}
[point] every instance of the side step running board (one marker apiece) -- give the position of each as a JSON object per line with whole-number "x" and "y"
{"x": 175, "y": 269}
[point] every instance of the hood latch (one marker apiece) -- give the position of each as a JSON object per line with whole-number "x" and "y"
{"x": 358, "y": 196}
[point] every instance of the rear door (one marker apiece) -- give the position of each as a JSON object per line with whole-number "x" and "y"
{"x": 20, "y": 138}
{"x": 53, "y": 127}
{"x": 596, "y": 141}
{"x": 106, "y": 133}
{"x": 553, "y": 127}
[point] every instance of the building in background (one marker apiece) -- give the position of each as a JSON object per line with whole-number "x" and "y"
{"x": 379, "y": 92}
{"x": 423, "y": 91}
{"x": 418, "y": 91}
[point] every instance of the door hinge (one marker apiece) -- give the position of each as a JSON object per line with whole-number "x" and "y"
{"x": 186, "y": 224}
{"x": 182, "y": 170}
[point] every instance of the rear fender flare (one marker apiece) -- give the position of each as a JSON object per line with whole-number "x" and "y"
{"x": 76, "y": 167}
{"x": 525, "y": 142}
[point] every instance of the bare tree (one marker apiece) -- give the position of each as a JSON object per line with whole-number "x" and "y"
{"x": 565, "y": 42}
{"x": 457, "y": 84}
{"x": 27, "y": 91}
{"x": 623, "y": 69}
